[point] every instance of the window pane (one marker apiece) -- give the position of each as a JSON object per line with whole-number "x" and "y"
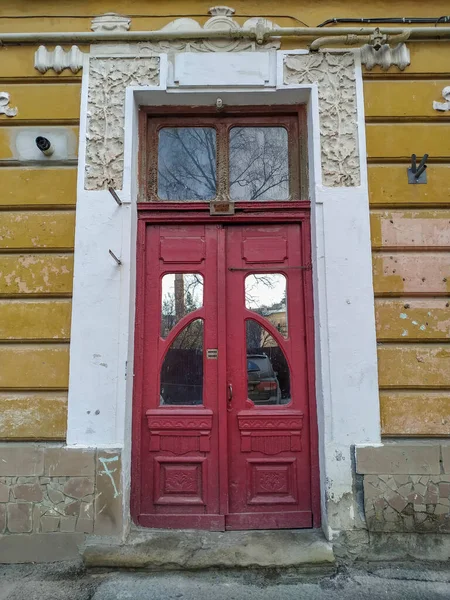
{"x": 268, "y": 378}
{"x": 259, "y": 166}
{"x": 266, "y": 295}
{"x": 187, "y": 163}
{"x": 182, "y": 293}
{"x": 182, "y": 369}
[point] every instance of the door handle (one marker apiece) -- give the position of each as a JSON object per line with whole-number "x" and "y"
{"x": 230, "y": 394}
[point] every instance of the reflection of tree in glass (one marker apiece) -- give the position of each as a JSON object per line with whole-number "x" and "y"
{"x": 187, "y": 163}
{"x": 182, "y": 369}
{"x": 265, "y": 294}
{"x": 191, "y": 338}
{"x": 258, "y": 338}
{"x": 187, "y": 297}
{"x": 259, "y": 168}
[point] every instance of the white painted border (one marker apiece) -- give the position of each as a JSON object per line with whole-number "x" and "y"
{"x": 100, "y": 394}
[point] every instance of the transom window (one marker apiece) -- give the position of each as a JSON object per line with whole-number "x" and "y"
{"x": 195, "y": 159}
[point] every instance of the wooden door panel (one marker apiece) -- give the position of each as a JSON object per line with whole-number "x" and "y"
{"x": 179, "y": 447}
{"x": 269, "y": 460}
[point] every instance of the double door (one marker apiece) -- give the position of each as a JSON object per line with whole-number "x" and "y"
{"x": 222, "y": 423}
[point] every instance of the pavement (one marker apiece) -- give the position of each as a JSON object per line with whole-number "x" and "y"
{"x": 71, "y": 581}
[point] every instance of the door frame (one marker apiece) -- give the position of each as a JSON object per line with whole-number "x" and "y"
{"x": 103, "y": 307}
{"x": 198, "y": 213}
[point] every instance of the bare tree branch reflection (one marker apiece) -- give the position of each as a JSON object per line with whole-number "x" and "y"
{"x": 187, "y": 163}
{"x": 182, "y": 293}
{"x": 259, "y": 168}
{"x": 258, "y": 163}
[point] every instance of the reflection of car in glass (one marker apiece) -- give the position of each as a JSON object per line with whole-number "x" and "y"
{"x": 263, "y": 386}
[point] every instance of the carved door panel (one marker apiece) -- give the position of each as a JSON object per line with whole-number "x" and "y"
{"x": 269, "y": 457}
{"x": 221, "y": 432}
{"x": 178, "y": 425}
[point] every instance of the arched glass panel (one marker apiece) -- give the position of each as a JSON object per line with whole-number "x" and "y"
{"x": 265, "y": 294}
{"x": 187, "y": 163}
{"x": 259, "y": 163}
{"x": 182, "y": 293}
{"x": 182, "y": 369}
{"x": 268, "y": 377}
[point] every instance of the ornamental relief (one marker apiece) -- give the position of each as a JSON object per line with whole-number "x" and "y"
{"x": 108, "y": 79}
{"x": 334, "y": 73}
{"x": 335, "y": 76}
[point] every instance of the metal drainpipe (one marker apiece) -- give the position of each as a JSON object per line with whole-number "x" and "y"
{"x": 260, "y": 34}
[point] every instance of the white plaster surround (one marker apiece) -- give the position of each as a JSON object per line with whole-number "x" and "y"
{"x": 102, "y": 343}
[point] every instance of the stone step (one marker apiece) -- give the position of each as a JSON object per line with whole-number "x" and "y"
{"x": 155, "y": 549}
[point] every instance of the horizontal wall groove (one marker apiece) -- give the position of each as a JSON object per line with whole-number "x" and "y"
{"x": 38, "y": 438}
{"x": 37, "y": 250}
{"x": 40, "y": 296}
{"x": 37, "y": 207}
{"x": 38, "y": 164}
{"x": 406, "y": 160}
{"x": 418, "y": 248}
{"x": 40, "y": 80}
{"x": 405, "y": 76}
{"x": 404, "y": 341}
{"x": 47, "y": 122}
{"x": 34, "y": 341}
{"x": 31, "y": 300}
{"x": 33, "y": 389}
{"x": 407, "y": 119}
{"x": 406, "y": 297}
{"x": 409, "y": 206}
{"x": 417, "y": 388}
{"x": 33, "y": 250}
{"x": 412, "y": 295}
{"x": 419, "y": 343}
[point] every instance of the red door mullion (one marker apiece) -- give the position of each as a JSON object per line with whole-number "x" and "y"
{"x": 222, "y": 378}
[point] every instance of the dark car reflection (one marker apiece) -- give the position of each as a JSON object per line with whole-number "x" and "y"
{"x": 263, "y": 386}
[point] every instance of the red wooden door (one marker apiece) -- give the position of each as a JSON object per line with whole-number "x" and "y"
{"x": 221, "y": 418}
{"x": 269, "y": 458}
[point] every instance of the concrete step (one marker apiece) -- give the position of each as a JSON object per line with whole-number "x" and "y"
{"x": 155, "y": 549}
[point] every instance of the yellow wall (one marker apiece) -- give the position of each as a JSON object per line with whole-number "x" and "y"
{"x": 410, "y": 224}
{"x": 411, "y": 242}
{"x": 37, "y": 220}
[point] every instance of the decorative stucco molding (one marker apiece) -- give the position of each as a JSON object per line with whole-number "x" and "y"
{"x": 443, "y": 106}
{"x": 5, "y": 109}
{"x": 58, "y": 59}
{"x": 385, "y": 56}
{"x": 335, "y": 76}
{"x": 221, "y": 18}
{"x": 110, "y": 22}
{"x": 108, "y": 79}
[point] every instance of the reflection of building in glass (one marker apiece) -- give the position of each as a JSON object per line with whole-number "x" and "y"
{"x": 278, "y": 318}
{"x": 182, "y": 293}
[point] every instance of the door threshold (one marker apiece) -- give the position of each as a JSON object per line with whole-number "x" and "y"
{"x": 158, "y": 549}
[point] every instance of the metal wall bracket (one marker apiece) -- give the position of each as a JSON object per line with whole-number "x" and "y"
{"x": 113, "y": 193}
{"x": 417, "y": 174}
{"x": 117, "y": 260}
